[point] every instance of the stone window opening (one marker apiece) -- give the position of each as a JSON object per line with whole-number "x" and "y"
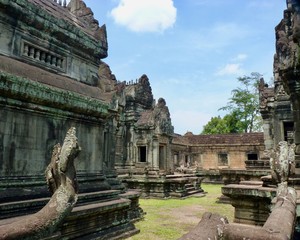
{"x": 252, "y": 156}
{"x": 187, "y": 162}
{"x": 142, "y": 154}
{"x": 223, "y": 159}
{"x": 288, "y": 130}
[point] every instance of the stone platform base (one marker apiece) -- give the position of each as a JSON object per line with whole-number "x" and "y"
{"x": 252, "y": 201}
{"x": 97, "y": 215}
{"x": 175, "y": 186}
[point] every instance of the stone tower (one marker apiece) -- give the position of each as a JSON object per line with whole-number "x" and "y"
{"x": 52, "y": 78}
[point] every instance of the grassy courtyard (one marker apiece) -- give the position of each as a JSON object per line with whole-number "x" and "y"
{"x": 170, "y": 219}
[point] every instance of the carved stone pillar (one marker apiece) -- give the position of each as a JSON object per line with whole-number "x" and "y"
{"x": 269, "y": 142}
{"x": 155, "y": 151}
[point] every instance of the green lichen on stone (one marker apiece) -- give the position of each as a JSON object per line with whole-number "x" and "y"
{"x": 34, "y": 92}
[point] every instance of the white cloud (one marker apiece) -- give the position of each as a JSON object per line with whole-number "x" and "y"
{"x": 240, "y": 57}
{"x": 230, "y": 69}
{"x": 146, "y": 15}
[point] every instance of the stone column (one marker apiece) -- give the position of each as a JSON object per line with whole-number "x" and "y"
{"x": 119, "y": 148}
{"x": 268, "y": 139}
{"x": 131, "y": 156}
{"x": 169, "y": 157}
{"x": 155, "y": 151}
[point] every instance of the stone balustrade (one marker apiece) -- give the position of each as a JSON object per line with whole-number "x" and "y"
{"x": 61, "y": 3}
{"x": 43, "y": 56}
{"x": 257, "y": 164}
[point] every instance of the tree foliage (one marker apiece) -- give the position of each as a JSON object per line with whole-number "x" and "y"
{"x": 216, "y": 125}
{"x": 243, "y": 109}
{"x": 230, "y": 123}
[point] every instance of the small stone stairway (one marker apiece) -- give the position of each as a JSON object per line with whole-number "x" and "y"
{"x": 97, "y": 215}
{"x": 192, "y": 190}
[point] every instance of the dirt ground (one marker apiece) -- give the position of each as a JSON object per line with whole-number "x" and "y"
{"x": 172, "y": 218}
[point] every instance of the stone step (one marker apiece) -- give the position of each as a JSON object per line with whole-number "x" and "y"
{"x": 18, "y": 208}
{"x": 104, "y": 220}
{"x": 256, "y": 183}
{"x": 23, "y": 188}
{"x": 194, "y": 192}
{"x": 190, "y": 189}
{"x": 189, "y": 185}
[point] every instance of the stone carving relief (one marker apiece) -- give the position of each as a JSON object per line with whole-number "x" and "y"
{"x": 282, "y": 161}
{"x": 62, "y": 183}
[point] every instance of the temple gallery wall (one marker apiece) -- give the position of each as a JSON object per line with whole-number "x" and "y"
{"x": 53, "y": 79}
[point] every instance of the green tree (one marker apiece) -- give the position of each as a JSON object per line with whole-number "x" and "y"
{"x": 233, "y": 122}
{"x": 244, "y": 103}
{"x": 216, "y": 125}
{"x": 230, "y": 123}
{"x": 243, "y": 109}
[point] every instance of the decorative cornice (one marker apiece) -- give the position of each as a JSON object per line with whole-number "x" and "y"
{"x": 25, "y": 90}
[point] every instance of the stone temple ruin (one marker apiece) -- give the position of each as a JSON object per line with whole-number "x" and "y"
{"x": 52, "y": 78}
{"x": 256, "y": 202}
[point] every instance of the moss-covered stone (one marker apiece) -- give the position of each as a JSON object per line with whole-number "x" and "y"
{"x": 26, "y": 90}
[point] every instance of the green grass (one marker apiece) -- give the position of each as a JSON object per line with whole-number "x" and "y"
{"x": 170, "y": 219}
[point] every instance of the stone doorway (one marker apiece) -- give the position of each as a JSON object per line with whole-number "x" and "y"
{"x": 142, "y": 154}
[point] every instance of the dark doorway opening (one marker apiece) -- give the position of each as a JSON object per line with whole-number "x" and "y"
{"x": 252, "y": 156}
{"x": 288, "y": 128}
{"x": 142, "y": 154}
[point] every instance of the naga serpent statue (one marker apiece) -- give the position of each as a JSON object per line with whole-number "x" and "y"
{"x": 62, "y": 183}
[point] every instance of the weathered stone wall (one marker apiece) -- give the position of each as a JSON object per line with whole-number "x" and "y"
{"x": 49, "y": 81}
{"x": 50, "y": 41}
{"x": 202, "y": 151}
{"x": 34, "y": 117}
{"x": 27, "y": 139}
{"x": 208, "y": 158}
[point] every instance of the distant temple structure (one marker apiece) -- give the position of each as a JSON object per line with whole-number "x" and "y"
{"x": 223, "y": 158}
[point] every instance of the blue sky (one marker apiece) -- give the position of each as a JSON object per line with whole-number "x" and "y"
{"x": 191, "y": 50}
